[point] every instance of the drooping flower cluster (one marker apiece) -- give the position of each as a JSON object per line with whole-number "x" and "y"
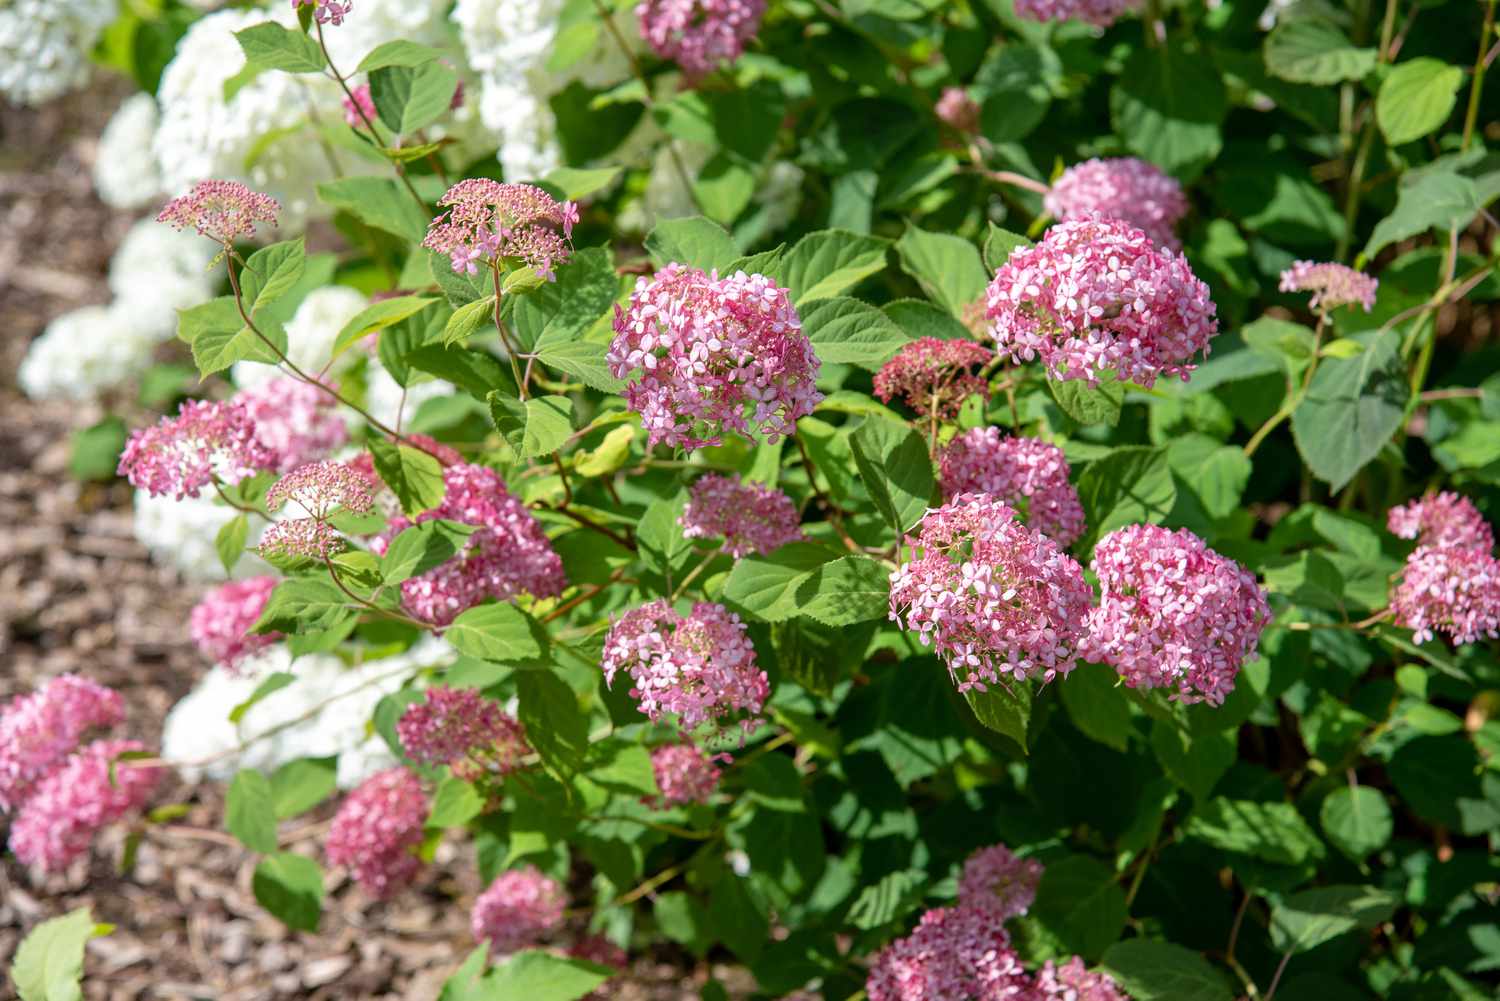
{"x": 699, "y": 35}
{"x": 1173, "y": 613}
{"x": 1096, "y": 295}
{"x": 700, "y": 666}
{"x": 488, "y": 221}
{"x": 295, "y": 421}
{"x": 751, "y": 518}
{"x": 1073, "y": 981}
{"x": 205, "y": 441}
{"x": 684, "y": 773}
{"x": 461, "y": 728}
{"x": 954, "y": 954}
{"x": 76, "y": 800}
{"x": 39, "y": 730}
{"x": 998, "y": 880}
{"x": 517, "y": 909}
{"x": 709, "y": 349}
{"x": 1125, "y": 188}
{"x": 1444, "y": 519}
{"x": 1449, "y": 590}
{"x": 1100, "y": 13}
{"x": 934, "y": 377}
{"x": 223, "y": 211}
{"x": 957, "y": 110}
{"x": 993, "y": 597}
{"x": 220, "y": 623}
{"x": 509, "y": 555}
{"x": 377, "y": 830}
{"x": 1028, "y": 474}
{"x": 321, "y": 488}
{"x": 327, "y": 11}
{"x": 1331, "y": 285}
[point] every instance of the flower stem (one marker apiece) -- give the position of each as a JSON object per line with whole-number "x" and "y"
{"x": 1481, "y": 63}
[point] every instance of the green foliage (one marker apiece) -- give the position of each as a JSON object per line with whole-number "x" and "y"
{"x": 48, "y": 965}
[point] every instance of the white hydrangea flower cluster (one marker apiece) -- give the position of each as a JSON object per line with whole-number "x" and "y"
{"x": 157, "y": 271}
{"x": 125, "y": 171}
{"x": 310, "y": 335}
{"x": 180, "y": 534}
{"x": 44, "y": 45}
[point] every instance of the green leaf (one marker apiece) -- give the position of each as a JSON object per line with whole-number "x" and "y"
{"x": 419, "y": 548}
{"x": 850, "y": 332}
{"x": 1080, "y": 903}
{"x": 896, "y": 469}
{"x": 609, "y": 456}
{"x": 573, "y": 183}
{"x": 1273, "y": 832}
{"x": 1096, "y": 705}
{"x": 1306, "y": 920}
{"x": 566, "y": 310}
{"x": 378, "y": 316}
{"x": 95, "y": 451}
{"x": 274, "y": 682}
{"x": 663, "y": 546}
{"x": 249, "y": 811}
{"x": 494, "y": 632}
{"x": 219, "y": 339}
{"x": 1416, "y": 98}
{"x": 1160, "y": 971}
{"x": 397, "y": 53}
{"x": 1352, "y": 408}
{"x": 271, "y": 272}
{"x": 584, "y": 360}
{"x": 947, "y": 267}
{"x": 300, "y": 785}
{"x": 49, "y": 962}
{"x": 1195, "y": 762}
{"x": 1436, "y": 199}
{"x": 555, "y": 725}
{"x": 290, "y": 886}
{"x": 1216, "y": 473}
{"x": 475, "y": 372}
{"x": 829, "y": 262}
{"x": 845, "y": 591}
{"x": 1433, "y": 775}
{"x": 408, "y": 98}
{"x": 415, "y": 477}
{"x": 1312, "y": 50}
{"x": 535, "y": 427}
{"x": 382, "y": 203}
{"x": 767, "y": 586}
{"x": 694, "y": 241}
{"x": 892, "y": 897}
{"x": 1003, "y": 710}
{"x": 541, "y": 976}
{"x": 1128, "y": 486}
{"x": 1167, "y": 105}
{"x": 229, "y": 543}
{"x": 455, "y": 803}
{"x": 998, "y": 246}
{"x": 467, "y": 319}
{"x": 1357, "y": 820}
{"x": 1089, "y": 404}
{"x": 273, "y": 47}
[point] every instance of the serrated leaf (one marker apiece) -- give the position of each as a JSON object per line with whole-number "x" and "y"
{"x": 1160, "y": 971}
{"x": 1356, "y": 820}
{"x": 1435, "y": 200}
{"x": 850, "y": 332}
{"x": 494, "y": 632}
{"x": 1080, "y": 903}
{"x": 584, "y": 360}
{"x": 1352, "y": 408}
{"x": 1416, "y": 98}
{"x": 217, "y": 349}
{"x": 694, "y": 241}
{"x": 947, "y": 267}
{"x": 397, "y": 53}
{"x": 415, "y": 477}
{"x": 1168, "y": 105}
{"x": 555, "y": 724}
{"x": 419, "y": 548}
{"x": 1312, "y": 50}
{"x": 378, "y": 316}
{"x": 829, "y": 262}
{"x": 890, "y": 898}
{"x": 1004, "y": 710}
{"x": 663, "y": 546}
{"x": 998, "y": 245}
{"x": 534, "y": 427}
{"x": 847, "y": 590}
{"x": 271, "y": 272}
{"x": 249, "y": 811}
{"x": 1306, "y": 920}
{"x": 467, "y": 319}
{"x": 408, "y": 98}
{"x": 896, "y": 469}
{"x": 271, "y": 46}
{"x": 455, "y": 803}
{"x": 1273, "y": 832}
{"x": 302, "y": 784}
{"x": 382, "y": 203}
{"x": 1089, "y": 404}
{"x": 767, "y": 586}
{"x": 290, "y": 886}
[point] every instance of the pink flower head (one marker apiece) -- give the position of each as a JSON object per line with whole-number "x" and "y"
{"x": 488, "y": 221}
{"x": 1097, "y": 295}
{"x": 361, "y": 110}
{"x": 934, "y": 376}
{"x": 321, "y": 488}
{"x": 220, "y": 623}
{"x": 205, "y": 441}
{"x": 377, "y": 830}
{"x": 1072, "y": 981}
{"x": 1100, "y": 13}
{"x": 77, "y": 800}
{"x": 709, "y": 350}
{"x": 327, "y": 11}
{"x": 993, "y": 597}
{"x": 957, "y": 110}
{"x": 224, "y": 211}
{"x": 700, "y": 666}
{"x": 1449, "y": 589}
{"x": 295, "y": 421}
{"x": 699, "y": 35}
{"x": 1445, "y": 519}
{"x": 519, "y": 907}
{"x": 301, "y": 539}
{"x": 1331, "y": 285}
{"x": 1124, "y": 188}
{"x": 1173, "y": 613}
{"x": 954, "y": 954}
{"x": 461, "y": 728}
{"x": 39, "y": 730}
{"x": 508, "y": 556}
{"x": 684, "y": 773}
{"x": 751, "y": 518}
{"x": 1028, "y": 474}
{"x": 601, "y": 951}
{"x": 995, "y": 878}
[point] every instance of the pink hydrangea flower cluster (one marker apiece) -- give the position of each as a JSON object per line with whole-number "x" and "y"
{"x": 954, "y": 954}
{"x": 684, "y": 773}
{"x": 76, "y": 800}
{"x": 181, "y": 455}
{"x": 934, "y": 377}
{"x": 998, "y": 880}
{"x": 700, "y": 666}
{"x": 377, "y": 830}
{"x": 321, "y": 488}
{"x": 1100, "y": 13}
{"x": 361, "y": 109}
{"x": 1097, "y": 295}
{"x": 699, "y": 35}
{"x": 991, "y": 596}
{"x": 508, "y": 556}
{"x": 751, "y": 518}
{"x": 1173, "y": 613}
{"x": 488, "y": 221}
{"x": 709, "y": 349}
{"x": 224, "y": 211}
{"x": 1450, "y": 590}
{"x": 461, "y": 728}
{"x": 1331, "y": 285}
{"x": 1026, "y": 473}
{"x": 957, "y": 110}
{"x": 301, "y": 539}
{"x": 1444, "y": 519}
{"x": 220, "y": 623}
{"x": 1123, "y": 188}
{"x": 39, "y": 730}
{"x": 294, "y": 421}
{"x": 517, "y": 909}
{"x": 1073, "y": 981}
{"x": 327, "y": 11}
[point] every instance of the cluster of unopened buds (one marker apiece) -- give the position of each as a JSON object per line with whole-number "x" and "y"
{"x": 1331, "y": 285}
{"x": 1451, "y": 581}
{"x": 462, "y": 729}
{"x": 223, "y": 211}
{"x": 934, "y": 377}
{"x": 487, "y": 222}
{"x": 1126, "y": 188}
{"x": 751, "y": 518}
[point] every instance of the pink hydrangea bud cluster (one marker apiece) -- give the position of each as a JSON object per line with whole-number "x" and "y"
{"x": 1331, "y": 285}
{"x": 181, "y": 455}
{"x": 327, "y": 11}
{"x": 998, "y": 880}
{"x": 934, "y": 377}
{"x": 461, "y": 728}
{"x": 700, "y": 666}
{"x": 39, "y": 730}
{"x": 220, "y": 623}
{"x": 1444, "y": 519}
{"x": 709, "y": 350}
{"x": 751, "y": 518}
{"x": 295, "y": 421}
{"x": 954, "y": 953}
{"x": 377, "y": 831}
{"x": 699, "y": 35}
{"x": 321, "y": 488}
{"x": 487, "y": 221}
{"x": 508, "y": 556}
{"x": 1073, "y": 981}
{"x": 1100, "y": 13}
{"x": 1450, "y": 590}
{"x": 361, "y": 109}
{"x": 77, "y": 799}
{"x": 1123, "y": 188}
{"x": 517, "y": 909}
{"x": 957, "y": 110}
{"x": 601, "y": 951}
{"x": 224, "y": 211}
{"x": 1097, "y": 295}
{"x": 301, "y": 539}
{"x": 1173, "y": 613}
{"x": 992, "y": 597}
{"x": 1026, "y": 473}
{"x": 684, "y": 773}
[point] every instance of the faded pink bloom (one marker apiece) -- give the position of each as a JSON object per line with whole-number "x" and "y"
{"x": 39, "y": 730}
{"x": 301, "y": 538}
{"x": 700, "y": 666}
{"x": 1331, "y": 285}
{"x": 996, "y": 879}
{"x": 508, "y": 556}
{"x": 1125, "y": 188}
{"x": 684, "y": 773}
{"x": 224, "y": 211}
{"x": 956, "y": 109}
{"x": 327, "y": 11}
{"x": 751, "y": 518}
{"x": 714, "y": 355}
{"x": 377, "y": 831}
{"x": 488, "y": 221}
{"x": 360, "y": 110}
{"x": 517, "y": 909}
{"x": 1448, "y": 589}
{"x": 1096, "y": 295}
{"x": 699, "y": 35}
{"x": 1100, "y": 13}
{"x": 295, "y": 421}
{"x": 1028, "y": 474}
{"x": 1173, "y": 613}
{"x": 1446, "y": 519}
{"x": 205, "y": 442}
{"x": 77, "y": 800}
{"x": 1072, "y": 981}
{"x": 461, "y": 728}
{"x": 954, "y": 954}
{"x": 600, "y": 950}
{"x": 934, "y": 376}
{"x": 993, "y": 597}
{"x": 321, "y": 488}
{"x": 220, "y": 623}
